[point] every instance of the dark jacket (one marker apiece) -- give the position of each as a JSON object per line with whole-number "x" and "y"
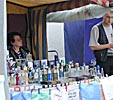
{"x": 22, "y": 53}
{"x": 101, "y": 55}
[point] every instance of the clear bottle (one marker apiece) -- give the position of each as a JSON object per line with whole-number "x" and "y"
{"x": 95, "y": 72}
{"x": 36, "y": 76}
{"x": 98, "y": 74}
{"x": 22, "y": 72}
{"x": 77, "y": 72}
{"x": 29, "y": 60}
{"x": 58, "y": 66}
{"x": 20, "y": 79}
{"x": 102, "y": 73}
{"x": 82, "y": 70}
{"x": 39, "y": 75}
{"x": 98, "y": 71}
{"x": 61, "y": 74}
{"x": 69, "y": 70}
{"x": 29, "y": 57}
{"x": 12, "y": 79}
{"x": 26, "y": 74}
{"x": 66, "y": 73}
{"x": 86, "y": 70}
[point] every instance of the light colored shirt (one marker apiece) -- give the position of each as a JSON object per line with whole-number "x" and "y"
{"x": 95, "y": 35}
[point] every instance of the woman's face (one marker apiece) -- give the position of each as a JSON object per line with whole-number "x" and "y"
{"x": 17, "y": 41}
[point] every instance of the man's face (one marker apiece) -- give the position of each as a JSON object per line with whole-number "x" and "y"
{"x": 17, "y": 41}
{"x": 108, "y": 18}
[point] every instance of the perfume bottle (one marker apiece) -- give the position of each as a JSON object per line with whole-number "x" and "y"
{"x": 49, "y": 74}
{"x": 36, "y": 76}
{"x": 44, "y": 75}
{"x": 30, "y": 76}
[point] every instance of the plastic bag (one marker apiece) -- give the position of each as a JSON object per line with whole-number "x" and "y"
{"x": 107, "y": 86}
{"x": 59, "y": 94}
{"x": 43, "y": 95}
{"x": 15, "y": 95}
{"x": 21, "y": 95}
{"x": 90, "y": 91}
{"x": 26, "y": 95}
{"x": 73, "y": 92}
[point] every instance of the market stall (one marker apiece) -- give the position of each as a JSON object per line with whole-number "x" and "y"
{"x": 35, "y": 36}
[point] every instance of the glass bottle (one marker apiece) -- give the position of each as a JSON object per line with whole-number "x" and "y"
{"x": 55, "y": 74}
{"x": 30, "y": 76}
{"x": 44, "y": 75}
{"x": 49, "y": 74}
{"x": 98, "y": 71}
{"x": 102, "y": 73}
{"x": 36, "y": 76}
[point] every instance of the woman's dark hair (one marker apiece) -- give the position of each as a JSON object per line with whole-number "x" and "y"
{"x": 10, "y": 37}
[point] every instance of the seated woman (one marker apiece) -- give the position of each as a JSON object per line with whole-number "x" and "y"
{"x": 16, "y": 50}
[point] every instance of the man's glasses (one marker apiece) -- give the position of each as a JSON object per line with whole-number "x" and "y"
{"x": 109, "y": 17}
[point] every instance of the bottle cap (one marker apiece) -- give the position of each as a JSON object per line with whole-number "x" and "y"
{"x": 97, "y": 67}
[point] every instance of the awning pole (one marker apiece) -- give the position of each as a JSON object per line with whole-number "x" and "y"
{"x": 3, "y": 48}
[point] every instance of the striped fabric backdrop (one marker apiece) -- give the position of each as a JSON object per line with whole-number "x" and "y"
{"x": 36, "y": 36}
{"x": 77, "y": 3}
{"x": 37, "y": 32}
{"x": 67, "y": 5}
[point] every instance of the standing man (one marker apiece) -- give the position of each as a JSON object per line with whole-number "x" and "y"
{"x": 101, "y": 42}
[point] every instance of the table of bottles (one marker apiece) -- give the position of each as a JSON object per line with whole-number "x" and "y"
{"x": 29, "y": 80}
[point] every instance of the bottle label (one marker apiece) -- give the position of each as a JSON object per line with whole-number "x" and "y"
{"x": 55, "y": 76}
{"x": 49, "y": 76}
{"x": 36, "y": 76}
{"x": 44, "y": 77}
{"x": 30, "y": 77}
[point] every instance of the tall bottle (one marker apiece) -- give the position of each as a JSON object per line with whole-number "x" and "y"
{"x": 25, "y": 68}
{"x": 98, "y": 71}
{"x": 55, "y": 74}
{"x": 29, "y": 57}
{"x": 20, "y": 79}
{"x": 17, "y": 79}
{"x": 23, "y": 75}
{"x": 77, "y": 72}
{"x": 66, "y": 73}
{"x": 49, "y": 74}
{"x": 61, "y": 73}
{"x": 58, "y": 66}
{"x": 29, "y": 60}
{"x": 12, "y": 79}
{"x": 102, "y": 73}
{"x": 36, "y": 76}
{"x": 30, "y": 76}
{"x": 44, "y": 75}
{"x": 39, "y": 75}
